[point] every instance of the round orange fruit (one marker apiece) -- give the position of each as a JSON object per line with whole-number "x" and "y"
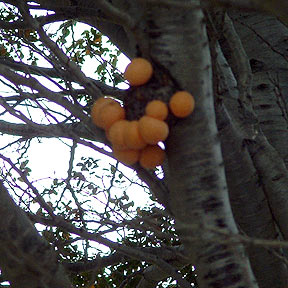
{"x": 157, "y": 109}
{"x": 138, "y": 72}
{"x": 133, "y": 138}
{"x": 116, "y": 134}
{"x": 153, "y": 130}
{"x": 151, "y": 156}
{"x": 127, "y": 156}
{"x": 110, "y": 113}
{"x": 96, "y": 108}
{"x": 182, "y": 104}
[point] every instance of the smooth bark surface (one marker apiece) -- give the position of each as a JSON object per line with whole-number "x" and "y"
{"x": 198, "y": 191}
{"x": 251, "y": 208}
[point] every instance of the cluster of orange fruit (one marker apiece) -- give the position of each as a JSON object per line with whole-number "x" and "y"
{"x": 137, "y": 141}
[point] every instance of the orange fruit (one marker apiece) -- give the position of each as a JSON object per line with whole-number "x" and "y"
{"x": 110, "y": 113}
{"x": 153, "y": 130}
{"x": 116, "y": 134}
{"x": 138, "y": 72}
{"x": 132, "y": 136}
{"x": 128, "y": 156}
{"x": 157, "y": 109}
{"x": 182, "y": 104}
{"x": 96, "y": 108}
{"x": 151, "y": 156}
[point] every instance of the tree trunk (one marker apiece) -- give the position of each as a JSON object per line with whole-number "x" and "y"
{"x": 250, "y": 206}
{"x": 198, "y": 189}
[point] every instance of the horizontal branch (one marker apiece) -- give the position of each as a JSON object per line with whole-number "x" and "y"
{"x": 152, "y": 274}
{"x": 100, "y": 9}
{"x": 25, "y": 68}
{"x": 96, "y": 264}
{"x": 53, "y": 73}
{"x": 113, "y": 13}
{"x": 74, "y": 131}
{"x": 50, "y": 130}
{"x": 74, "y": 109}
{"x": 171, "y": 254}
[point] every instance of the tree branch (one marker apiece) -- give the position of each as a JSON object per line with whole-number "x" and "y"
{"x": 69, "y": 65}
{"x": 51, "y": 130}
{"x": 52, "y": 96}
{"x": 152, "y": 275}
{"x": 235, "y": 54}
{"x": 42, "y": 19}
{"x": 156, "y": 186}
{"x": 54, "y": 73}
{"x": 140, "y": 254}
{"x": 113, "y": 13}
{"x": 22, "y": 250}
{"x": 96, "y": 264}
{"x": 274, "y": 178}
{"x": 249, "y": 203}
{"x": 278, "y": 8}
{"x": 74, "y": 131}
{"x": 88, "y": 13}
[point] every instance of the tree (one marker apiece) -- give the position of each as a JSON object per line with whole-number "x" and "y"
{"x": 223, "y": 188}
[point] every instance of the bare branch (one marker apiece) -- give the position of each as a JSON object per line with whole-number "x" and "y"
{"x": 71, "y": 66}
{"x": 152, "y": 275}
{"x": 40, "y": 199}
{"x": 42, "y": 19}
{"x": 96, "y": 264}
{"x": 52, "y": 96}
{"x": 101, "y": 9}
{"x": 53, "y": 73}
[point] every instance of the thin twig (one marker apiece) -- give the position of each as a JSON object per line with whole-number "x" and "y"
{"x": 40, "y": 199}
